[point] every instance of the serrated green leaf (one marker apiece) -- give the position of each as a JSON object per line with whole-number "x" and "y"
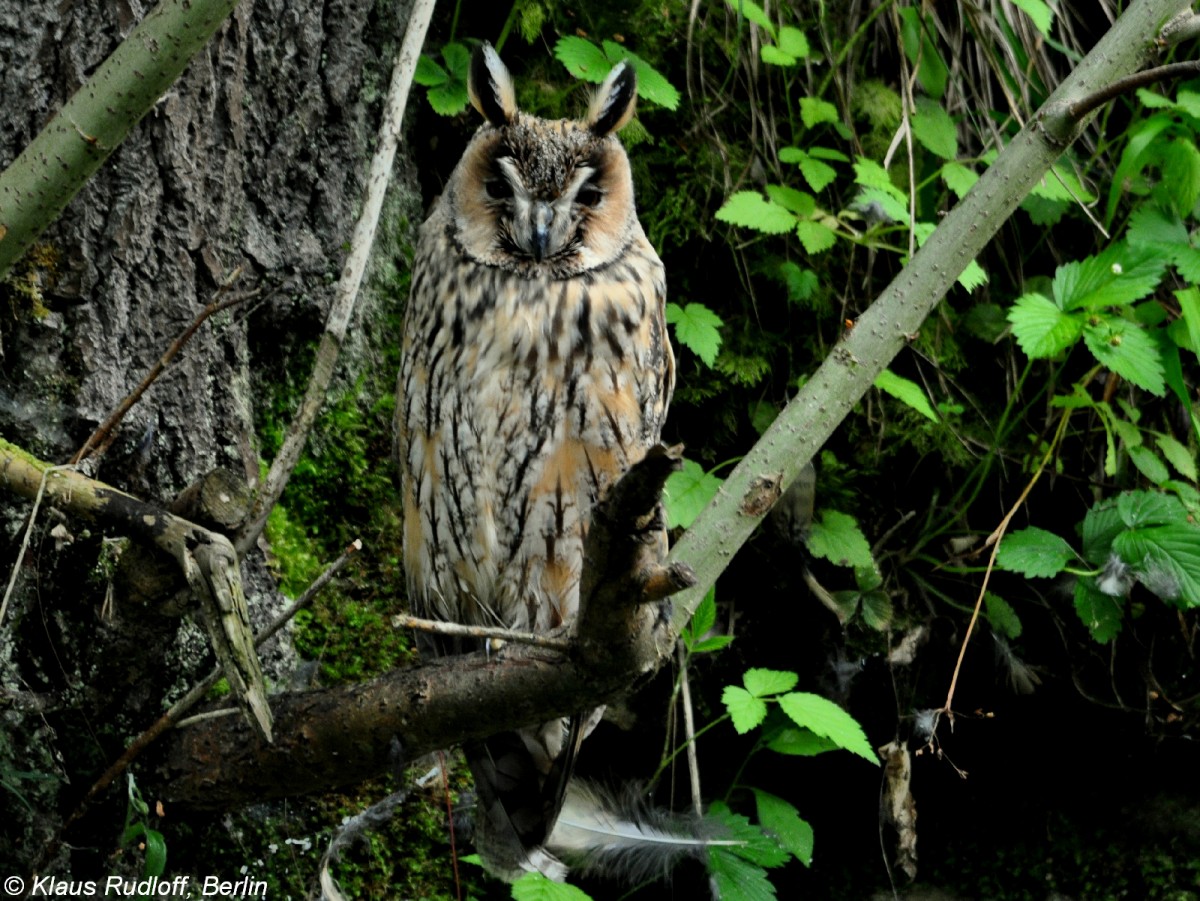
{"x": 738, "y": 879}
{"x": 1061, "y": 183}
{"x": 773, "y": 56}
{"x": 751, "y": 11}
{"x": 1180, "y": 163}
{"x": 793, "y": 42}
{"x": 1101, "y": 524}
{"x": 986, "y": 321}
{"x": 652, "y": 85}
{"x": 428, "y": 73}
{"x": 458, "y": 60}
{"x": 916, "y": 33}
{"x": 696, "y": 328}
{"x": 792, "y": 200}
{"x": 1039, "y": 14}
{"x": 536, "y": 887}
{"x": 1001, "y": 616}
{"x": 755, "y": 844}
{"x": 687, "y": 493}
{"x": 826, "y": 718}
{"x": 1128, "y": 351}
{"x": 828, "y": 153}
{"x": 1149, "y": 464}
{"x": 1188, "y": 102}
{"x": 870, "y": 174}
{"x": 815, "y": 111}
{"x": 750, "y": 210}
{"x": 906, "y": 391}
{"x": 706, "y": 613}
{"x": 1041, "y": 328}
{"x": 763, "y": 682}
{"x": 959, "y": 178}
{"x": 745, "y": 710}
{"x": 1150, "y": 225}
{"x": 448, "y": 100}
{"x": 782, "y": 820}
{"x": 1166, "y": 560}
{"x": 1099, "y": 612}
{"x": 1178, "y": 456}
{"x": 711, "y": 644}
{"x": 1140, "y": 509}
{"x": 816, "y": 173}
{"x": 934, "y": 129}
{"x": 816, "y": 237}
{"x": 1042, "y": 211}
{"x": 973, "y": 276}
{"x": 877, "y": 612}
{"x": 801, "y": 283}
{"x": 1189, "y": 311}
{"x": 797, "y": 742}
{"x": 583, "y": 59}
{"x": 1119, "y": 275}
{"x": 836, "y": 537}
{"x": 1034, "y": 552}
{"x": 1153, "y": 100}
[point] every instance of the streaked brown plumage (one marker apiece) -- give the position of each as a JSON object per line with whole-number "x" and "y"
{"x": 536, "y": 370}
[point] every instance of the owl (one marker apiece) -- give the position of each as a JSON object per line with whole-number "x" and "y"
{"x": 536, "y": 370}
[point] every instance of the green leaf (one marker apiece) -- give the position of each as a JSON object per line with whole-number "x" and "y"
{"x": 828, "y": 153}
{"x": 448, "y": 100}
{"x": 877, "y": 611}
{"x": 934, "y": 129}
{"x": 458, "y": 61}
{"x": 750, "y": 210}
{"x": 696, "y": 328}
{"x": 793, "y": 42}
{"x": 1189, "y": 310}
{"x": 1001, "y": 616}
{"x": 1166, "y": 560}
{"x": 1119, "y": 275}
{"x": 1127, "y": 350}
{"x": 816, "y": 237}
{"x": 1040, "y": 14}
{"x": 792, "y": 200}
{"x": 1099, "y": 612}
{"x": 906, "y": 391}
{"x": 1178, "y": 456}
{"x": 583, "y": 59}
{"x": 745, "y": 710}
{"x": 764, "y": 682}
{"x": 801, "y": 283}
{"x": 773, "y": 56}
{"x": 815, "y": 111}
{"x": 706, "y": 613}
{"x": 652, "y": 85}
{"x": 1101, "y": 524}
{"x": 156, "y": 853}
{"x": 687, "y": 493}
{"x": 736, "y": 878}
{"x": 916, "y": 32}
{"x": 1034, "y": 552}
{"x": 1149, "y": 508}
{"x": 536, "y": 887}
{"x": 826, "y": 718}
{"x": 1150, "y": 225}
{"x": 429, "y": 73}
{"x": 818, "y": 174}
{"x": 959, "y": 178}
{"x": 1041, "y": 328}
{"x": 1148, "y": 464}
{"x": 755, "y": 845}
{"x": 782, "y": 820}
{"x": 797, "y": 742}
{"x": 1180, "y": 163}
{"x": 754, "y": 13}
{"x": 837, "y": 538}
{"x": 973, "y": 276}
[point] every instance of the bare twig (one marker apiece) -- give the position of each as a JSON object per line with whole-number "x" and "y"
{"x": 12, "y": 579}
{"x": 404, "y": 621}
{"x": 689, "y": 730}
{"x": 100, "y": 439}
{"x": 352, "y": 273}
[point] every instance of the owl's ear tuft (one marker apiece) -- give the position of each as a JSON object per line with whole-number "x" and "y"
{"x": 490, "y": 87}
{"x": 612, "y": 107}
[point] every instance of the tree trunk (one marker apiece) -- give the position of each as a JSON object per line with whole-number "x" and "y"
{"x": 255, "y": 158}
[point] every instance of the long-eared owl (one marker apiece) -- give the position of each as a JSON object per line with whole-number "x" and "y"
{"x": 536, "y": 370}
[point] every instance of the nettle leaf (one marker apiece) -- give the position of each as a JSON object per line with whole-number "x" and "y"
{"x": 959, "y": 178}
{"x": 762, "y": 682}
{"x": 737, "y": 878}
{"x": 1119, "y": 275}
{"x": 815, "y": 111}
{"x": 826, "y": 718}
{"x": 797, "y": 742}
{"x": 906, "y": 391}
{"x": 1040, "y": 14}
{"x": 781, "y": 819}
{"x": 815, "y": 236}
{"x": 1034, "y": 552}
{"x": 934, "y": 129}
{"x": 1166, "y": 560}
{"x": 1153, "y": 226}
{"x": 1178, "y": 456}
{"x": 792, "y": 200}
{"x": 1127, "y": 350}
{"x": 801, "y": 283}
{"x": 447, "y": 92}
{"x": 837, "y": 538}
{"x": 1101, "y": 524}
{"x": 652, "y": 85}
{"x": 1041, "y": 328}
{"x": 583, "y": 59}
{"x": 756, "y": 845}
{"x": 1001, "y": 616}
{"x": 687, "y": 493}
{"x": 745, "y": 710}
{"x": 536, "y": 887}
{"x": 1148, "y": 464}
{"x": 750, "y": 209}
{"x": 696, "y": 328}
{"x": 817, "y": 173}
{"x": 1061, "y": 183}
{"x": 1098, "y": 611}
{"x": 1139, "y": 509}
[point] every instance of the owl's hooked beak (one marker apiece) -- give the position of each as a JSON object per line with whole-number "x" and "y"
{"x": 543, "y": 216}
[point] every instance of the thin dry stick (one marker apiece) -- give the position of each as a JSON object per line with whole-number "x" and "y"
{"x": 404, "y": 621}
{"x": 994, "y": 541}
{"x": 346, "y": 294}
{"x": 100, "y": 439}
{"x": 12, "y": 579}
{"x": 173, "y": 715}
{"x": 689, "y": 730}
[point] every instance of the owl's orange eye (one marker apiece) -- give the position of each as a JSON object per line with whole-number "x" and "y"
{"x": 498, "y": 189}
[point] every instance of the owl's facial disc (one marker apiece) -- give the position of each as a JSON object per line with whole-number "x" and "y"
{"x": 543, "y": 224}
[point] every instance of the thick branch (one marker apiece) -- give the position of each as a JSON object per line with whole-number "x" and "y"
{"x": 207, "y": 559}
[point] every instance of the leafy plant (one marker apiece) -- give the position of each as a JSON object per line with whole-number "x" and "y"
{"x": 137, "y": 829}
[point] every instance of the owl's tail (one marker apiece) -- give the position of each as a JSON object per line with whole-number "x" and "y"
{"x": 618, "y": 836}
